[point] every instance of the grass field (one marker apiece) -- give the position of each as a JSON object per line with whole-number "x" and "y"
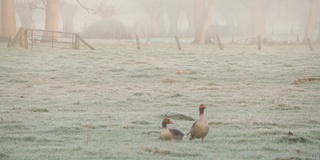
{"x": 109, "y": 103}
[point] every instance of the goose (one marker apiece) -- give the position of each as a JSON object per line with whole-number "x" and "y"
{"x": 170, "y": 134}
{"x": 200, "y": 128}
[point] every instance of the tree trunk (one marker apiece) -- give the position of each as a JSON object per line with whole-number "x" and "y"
{"x": 156, "y": 18}
{"x": 52, "y": 19}
{"x": 259, "y": 19}
{"x": 188, "y": 11}
{"x": 203, "y": 35}
{"x": 67, "y": 13}
{"x": 25, "y": 12}
{"x": 8, "y": 18}
{"x": 203, "y": 17}
{"x": 318, "y": 39}
{"x": 1, "y": 33}
{"x": 199, "y": 7}
{"x": 173, "y": 10}
{"x": 314, "y": 6}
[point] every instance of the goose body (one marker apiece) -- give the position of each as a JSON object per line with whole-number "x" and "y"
{"x": 170, "y": 134}
{"x": 200, "y": 128}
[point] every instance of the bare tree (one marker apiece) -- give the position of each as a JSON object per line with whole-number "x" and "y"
{"x": 318, "y": 38}
{"x": 155, "y": 11}
{"x": 8, "y": 18}
{"x": 236, "y": 15}
{"x": 103, "y": 8}
{"x": 259, "y": 28}
{"x": 203, "y": 12}
{"x": 67, "y": 12}
{"x": 52, "y": 19}
{"x": 314, "y": 7}
{"x": 1, "y": 19}
{"x": 25, "y": 11}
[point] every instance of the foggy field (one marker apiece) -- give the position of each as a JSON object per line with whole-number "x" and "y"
{"x": 109, "y": 103}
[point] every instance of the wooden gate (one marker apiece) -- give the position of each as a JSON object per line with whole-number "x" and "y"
{"x": 53, "y": 39}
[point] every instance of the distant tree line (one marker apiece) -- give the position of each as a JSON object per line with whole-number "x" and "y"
{"x": 242, "y": 17}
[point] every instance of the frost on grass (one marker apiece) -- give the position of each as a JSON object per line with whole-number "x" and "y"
{"x": 111, "y": 100}
{"x": 3, "y": 156}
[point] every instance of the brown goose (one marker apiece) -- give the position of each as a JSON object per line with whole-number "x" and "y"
{"x": 200, "y": 128}
{"x": 170, "y": 134}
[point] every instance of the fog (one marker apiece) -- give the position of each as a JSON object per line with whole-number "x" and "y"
{"x": 166, "y": 18}
{"x": 64, "y": 100}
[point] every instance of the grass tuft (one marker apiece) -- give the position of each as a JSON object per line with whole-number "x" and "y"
{"x": 177, "y": 116}
{"x": 3, "y": 156}
{"x": 29, "y": 138}
{"x": 270, "y": 149}
{"x": 169, "y": 80}
{"x": 176, "y": 95}
{"x": 90, "y": 126}
{"x": 38, "y": 110}
{"x": 289, "y": 158}
{"x": 152, "y": 132}
{"x": 293, "y": 139}
{"x": 76, "y": 103}
{"x": 217, "y": 123}
{"x": 185, "y": 155}
{"x": 156, "y": 150}
{"x": 66, "y": 130}
{"x": 18, "y": 81}
{"x": 129, "y": 126}
{"x": 138, "y": 94}
{"x": 140, "y": 122}
{"x": 282, "y": 106}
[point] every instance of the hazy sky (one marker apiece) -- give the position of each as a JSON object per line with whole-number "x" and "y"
{"x": 281, "y": 13}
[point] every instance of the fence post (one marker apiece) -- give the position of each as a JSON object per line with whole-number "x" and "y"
{"x": 26, "y": 45}
{"x": 21, "y": 37}
{"x": 310, "y": 45}
{"x": 77, "y": 42}
{"x": 138, "y": 42}
{"x": 13, "y": 43}
{"x": 31, "y": 38}
{"x": 9, "y": 41}
{"x": 272, "y": 28}
{"x": 178, "y": 43}
{"x": 219, "y": 42}
{"x": 52, "y": 38}
{"x": 84, "y": 42}
{"x": 259, "y": 43}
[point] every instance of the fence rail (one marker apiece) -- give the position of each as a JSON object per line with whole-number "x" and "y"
{"x": 54, "y": 39}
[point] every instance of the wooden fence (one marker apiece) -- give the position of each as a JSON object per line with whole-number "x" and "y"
{"x": 53, "y": 39}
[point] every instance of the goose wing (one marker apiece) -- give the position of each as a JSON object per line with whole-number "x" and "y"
{"x": 176, "y": 133}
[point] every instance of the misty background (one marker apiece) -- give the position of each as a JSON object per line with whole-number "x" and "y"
{"x": 166, "y": 18}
